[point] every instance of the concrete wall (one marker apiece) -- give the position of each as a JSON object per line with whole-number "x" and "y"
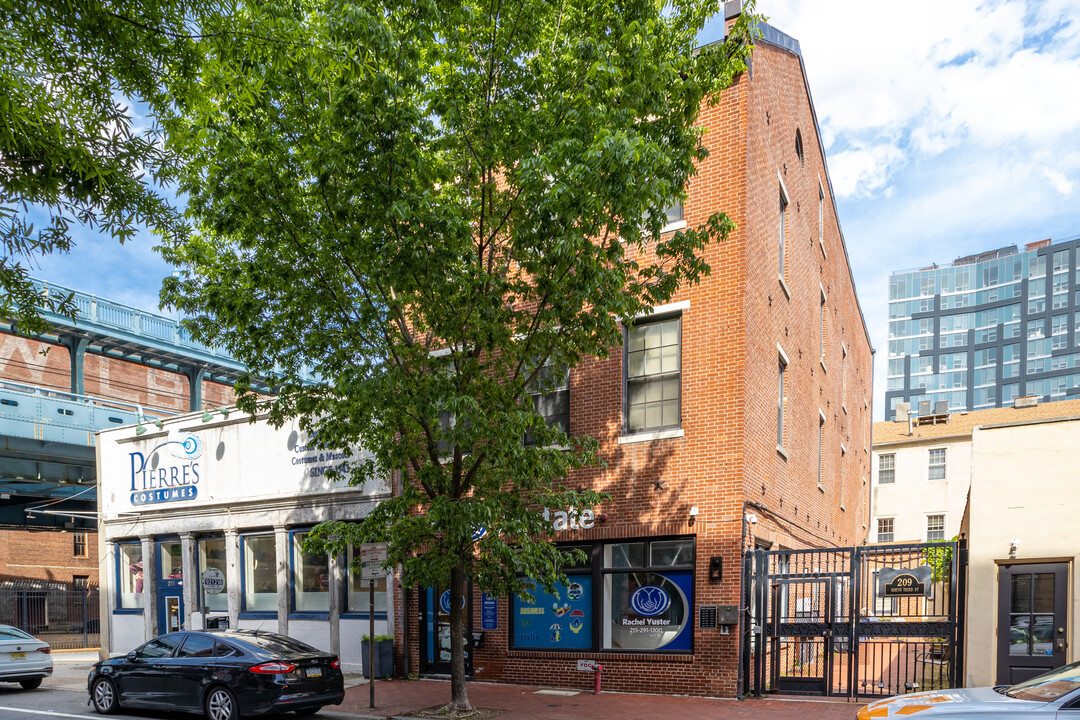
{"x": 913, "y": 495}
{"x": 1025, "y": 486}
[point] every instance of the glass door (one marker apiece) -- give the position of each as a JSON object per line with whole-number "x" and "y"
{"x": 1032, "y": 614}
{"x": 435, "y": 630}
{"x": 170, "y": 587}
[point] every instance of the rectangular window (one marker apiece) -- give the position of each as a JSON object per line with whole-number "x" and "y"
{"x": 653, "y": 361}
{"x": 821, "y": 340}
{"x": 673, "y": 214}
{"x": 782, "y": 229}
{"x": 310, "y": 578}
{"x": 359, "y": 590}
{"x": 821, "y": 451}
{"x": 633, "y": 595}
{"x": 80, "y": 582}
{"x": 885, "y": 530}
{"x": 821, "y": 215}
{"x": 780, "y": 405}
{"x": 1061, "y": 261}
{"x": 886, "y": 469}
{"x": 551, "y": 398}
{"x": 935, "y": 528}
{"x": 260, "y": 573}
{"x": 212, "y": 555}
{"x": 937, "y": 464}
{"x": 80, "y": 544}
{"x": 129, "y": 568}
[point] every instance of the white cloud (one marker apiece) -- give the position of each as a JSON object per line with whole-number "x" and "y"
{"x": 1059, "y": 182}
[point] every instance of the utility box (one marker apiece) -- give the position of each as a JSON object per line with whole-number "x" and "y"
{"x": 727, "y": 614}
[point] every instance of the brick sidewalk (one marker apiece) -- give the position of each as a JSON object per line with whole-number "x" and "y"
{"x": 402, "y": 698}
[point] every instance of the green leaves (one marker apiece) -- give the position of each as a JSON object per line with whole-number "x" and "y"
{"x": 424, "y": 203}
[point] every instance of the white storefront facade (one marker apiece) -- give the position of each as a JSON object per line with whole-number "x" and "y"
{"x": 238, "y": 497}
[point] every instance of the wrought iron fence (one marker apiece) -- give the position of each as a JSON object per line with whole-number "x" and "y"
{"x": 64, "y": 615}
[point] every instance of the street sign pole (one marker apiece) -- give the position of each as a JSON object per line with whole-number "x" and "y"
{"x": 371, "y": 636}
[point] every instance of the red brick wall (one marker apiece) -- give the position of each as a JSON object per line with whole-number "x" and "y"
{"x": 22, "y": 360}
{"x": 47, "y": 555}
{"x": 728, "y": 455}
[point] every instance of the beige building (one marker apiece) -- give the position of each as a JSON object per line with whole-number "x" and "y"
{"x": 1006, "y": 479}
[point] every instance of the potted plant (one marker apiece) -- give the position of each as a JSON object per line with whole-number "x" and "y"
{"x": 384, "y": 655}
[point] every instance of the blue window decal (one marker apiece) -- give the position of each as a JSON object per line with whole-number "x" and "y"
{"x": 649, "y": 611}
{"x": 556, "y": 621}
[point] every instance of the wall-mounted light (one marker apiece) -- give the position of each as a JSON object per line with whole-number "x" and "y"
{"x": 1014, "y": 545}
{"x": 207, "y": 415}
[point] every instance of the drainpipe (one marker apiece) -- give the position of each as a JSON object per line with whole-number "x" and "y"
{"x": 739, "y": 679}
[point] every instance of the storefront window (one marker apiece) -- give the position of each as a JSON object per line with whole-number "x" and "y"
{"x": 358, "y": 600}
{"x": 311, "y": 578}
{"x": 172, "y": 563}
{"x": 129, "y": 566}
{"x": 644, "y": 601}
{"x": 212, "y": 555}
{"x": 260, "y": 573}
{"x": 562, "y": 620}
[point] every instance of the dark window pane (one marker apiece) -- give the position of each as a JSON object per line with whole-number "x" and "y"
{"x": 670, "y": 553}
{"x": 197, "y": 646}
{"x": 1044, "y": 593}
{"x": 624, "y": 555}
{"x": 1021, "y": 594}
{"x": 159, "y": 648}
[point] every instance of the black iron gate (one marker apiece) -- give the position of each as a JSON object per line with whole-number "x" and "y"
{"x": 64, "y": 615}
{"x": 864, "y": 621}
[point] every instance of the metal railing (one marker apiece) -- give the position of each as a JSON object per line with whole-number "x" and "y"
{"x": 64, "y": 615}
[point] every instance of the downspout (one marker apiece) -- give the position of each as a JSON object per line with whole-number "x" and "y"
{"x": 739, "y": 679}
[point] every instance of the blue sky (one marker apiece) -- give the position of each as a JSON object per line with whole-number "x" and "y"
{"x": 949, "y": 128}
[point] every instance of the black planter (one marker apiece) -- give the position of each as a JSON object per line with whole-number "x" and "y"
{"x": 384, "y": 658}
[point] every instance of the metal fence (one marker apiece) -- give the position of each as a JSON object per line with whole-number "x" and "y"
{"x": 62, "y": 614}
{"x": 862, "y": 621}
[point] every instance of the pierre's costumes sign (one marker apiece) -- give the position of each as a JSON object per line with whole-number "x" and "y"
{"x": 168, "y": 476}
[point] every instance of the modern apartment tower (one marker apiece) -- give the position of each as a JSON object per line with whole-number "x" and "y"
{"x": 985, "y": 330}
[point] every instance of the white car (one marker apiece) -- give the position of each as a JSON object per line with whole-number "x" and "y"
{"x": 23, "y": 658}
{"x": 1040, "y": 698}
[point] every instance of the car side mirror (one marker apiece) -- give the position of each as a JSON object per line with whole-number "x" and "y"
{"x": 132, "y": 657}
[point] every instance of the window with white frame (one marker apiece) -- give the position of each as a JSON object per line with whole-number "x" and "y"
{"x": 782, "y": 231}
{"x": 310, "y": 577}
{"x": 359, "y": 590}
{"x": 936, "y": 469}
{"x": 129, "y": 569}
{"x": 821, "y": 216}
{"x": 551, "y": 398}
{"x": 653, "y": 362}
{"x": 885, "y": 530}
{"x": 259, "y": 579}
{"x": 821, "y": 341}
{"x": 673, "y": 214}
{"x": 886, "y": 469}
{"x": 821, "y": 451}
{"x": 935, "y": 528}
{"x": 780, "y": 403}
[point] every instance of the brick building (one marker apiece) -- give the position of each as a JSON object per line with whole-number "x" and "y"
{"x": 762, "y": 440}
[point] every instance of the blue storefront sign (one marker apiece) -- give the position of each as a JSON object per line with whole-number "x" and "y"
{"x": 489, "y": 612}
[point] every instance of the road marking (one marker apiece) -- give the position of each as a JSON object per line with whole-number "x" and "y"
{"x": 48, "y": 713}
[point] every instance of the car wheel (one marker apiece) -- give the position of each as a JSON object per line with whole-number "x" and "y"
{"x": 30, "y": 684}
{"x": 221, "y": 704}
{"x": 103, "y": 696}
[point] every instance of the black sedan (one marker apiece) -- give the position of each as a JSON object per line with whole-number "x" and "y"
{"x": 222, "y": 674}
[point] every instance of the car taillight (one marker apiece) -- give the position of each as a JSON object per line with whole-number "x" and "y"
{"x": 335, "y": 663}
{"x": 272, "y": 668}
{"x": 45, "y": 650}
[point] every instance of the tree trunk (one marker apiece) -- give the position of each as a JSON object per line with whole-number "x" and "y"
{"x": 459, "y": 696}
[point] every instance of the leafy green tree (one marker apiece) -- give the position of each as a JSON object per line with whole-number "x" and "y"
{"x": 425, "y": 204}
{"x": 71, "y": 149}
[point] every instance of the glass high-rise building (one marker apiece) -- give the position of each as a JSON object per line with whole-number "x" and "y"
{"x": 986, "y": 329}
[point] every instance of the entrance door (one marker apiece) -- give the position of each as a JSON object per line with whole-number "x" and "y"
{"x": 800, "y": 629}
{"x": 170, "y": 587}
{"x": 435, "y": 630}
{"x": 1032, "y": 630}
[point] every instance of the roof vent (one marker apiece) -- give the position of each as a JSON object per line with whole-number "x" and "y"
{"x": 1026, "y": 401}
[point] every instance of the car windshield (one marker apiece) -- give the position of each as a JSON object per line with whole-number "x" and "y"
{"x": 10, "y": 632}
{"x": 277, "y": 644}
{"x": 1048, "y": 686}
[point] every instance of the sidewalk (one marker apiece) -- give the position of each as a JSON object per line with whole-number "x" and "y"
{"x": 403, "y": 698}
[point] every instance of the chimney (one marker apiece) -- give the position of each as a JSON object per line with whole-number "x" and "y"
{"x": 1026, "y": 401}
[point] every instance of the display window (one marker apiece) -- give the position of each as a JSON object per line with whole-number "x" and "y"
{"x": 632, "y": 596}
{"x": 212, "y": 555}
{"x": 129, "y": 570}
{"x": 259, "y": 577}
{"x": 310, "y": 578}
